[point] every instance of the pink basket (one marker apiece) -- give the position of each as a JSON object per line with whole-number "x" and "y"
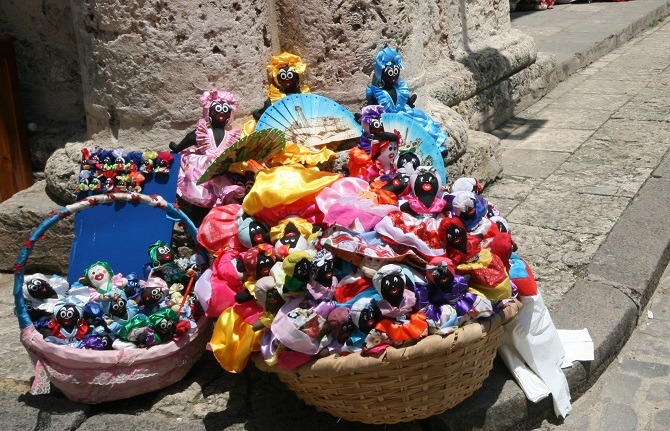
{"x": 94, "y": 377}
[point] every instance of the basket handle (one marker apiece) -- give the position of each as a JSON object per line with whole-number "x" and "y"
{"x": 155, "y": 201}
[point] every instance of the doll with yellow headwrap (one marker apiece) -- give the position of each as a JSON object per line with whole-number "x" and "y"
{"x": 285, "y": 74}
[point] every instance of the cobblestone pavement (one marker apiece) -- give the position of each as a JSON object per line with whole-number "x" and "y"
{"x": 586, "y": 188}
{"x": 633, "y": 393}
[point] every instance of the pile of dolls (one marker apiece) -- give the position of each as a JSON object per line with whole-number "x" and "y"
{"x": 108, "y": 171}
{"x": 104, "y": 310}
{"x": 308, "y": 262}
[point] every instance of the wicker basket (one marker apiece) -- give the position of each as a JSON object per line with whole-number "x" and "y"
{"x": 97, "y": 376}
{"x": 403, "y": 384}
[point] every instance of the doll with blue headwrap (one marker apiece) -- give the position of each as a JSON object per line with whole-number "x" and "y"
{"x": 393, "y": 94}
{"x": 68, "y": 325}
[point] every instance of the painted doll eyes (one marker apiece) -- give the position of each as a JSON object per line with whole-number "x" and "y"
{"x": 286, "y": 75}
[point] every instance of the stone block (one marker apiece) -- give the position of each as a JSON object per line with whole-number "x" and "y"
{"x": 24, "y": 412}
{"x": 637, "y": 250}
{"x": 532, "y": 163}
{"x": 663, "y": 169}
{"x": 481, "y": 159}
{"x": 148, "y": 422}
{"x": 19, "y": 216}
{"x": 563, "y": 140}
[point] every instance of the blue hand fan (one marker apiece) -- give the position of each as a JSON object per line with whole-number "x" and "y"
{"x": 417, "y": 140}
{"x": 310, "y": 120}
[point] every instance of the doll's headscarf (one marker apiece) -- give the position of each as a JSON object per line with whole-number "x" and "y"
{"x": 466, "y": 185}
{"x": 286, "y": 59}
{"x": 371, "y": 112}
{"x": 304, "y": 228}
{"x": 390, "y": 269}
{"x": 322, "y": 256}
{"x": 153, "y": 250}
{"x": 249, "y": 256}
{"x": 243, "y": 230}
{"x": 156, "y": 282}
{"x": 439, "y": 262}
{"x": 386, "y": 57}
{"x": 208, "y": 97}
{"x": 70, "y": 300}
{"x": 263, "y": 286}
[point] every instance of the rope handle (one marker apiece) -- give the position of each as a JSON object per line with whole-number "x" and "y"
{"x": 54, "y": 217}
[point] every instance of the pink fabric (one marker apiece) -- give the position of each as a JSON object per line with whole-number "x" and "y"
{"x": 218, "y": 229}
{"x": 342, "y": 187}
{"x": 94, "y": 376}
{"x": 195, "y": 160}
{"x": 225, "y": 283}
{"x": 418, "y": 207}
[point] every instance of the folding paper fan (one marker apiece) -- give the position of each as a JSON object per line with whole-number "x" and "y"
{"x": 310, "y": 120}
{"x": 416, "y": 139}
{"x": 259, "y": 146}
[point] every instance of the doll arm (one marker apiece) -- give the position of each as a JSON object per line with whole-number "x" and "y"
{"x": 411, "y": 100}
{"x": 259, "y": 112}
{"x": 188, "y": 141}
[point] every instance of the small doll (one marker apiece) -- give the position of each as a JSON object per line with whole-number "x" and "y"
{"x": 152, "y": 297}
{"x": 148, "y": 161}
{"x": 136, "y": 180}
{"x": 292, "y": 234}
{"x": 121, "y": 183}
{"x": 109, "y": 184}
{"x": 164, "y": 162}
{"x": 347, "y": 337}
{"x": 200, "y": 147}
{"x": 268, "y": 296}
{"x": 164, "y": 324}
{"x": 259, "y": 260}
{"x": 377, "y": 149}
{"x": 119, "y": 162}
{"x": 365, "y": 314}
{"x": 107, "y": 158}
{"x": 134, "y": 161}
{"x": 84, "y": 184}
{"x": 95, "y": 185}
{"x": 94, "y": 161}
{"x": 454, "y": 238}
{"x": 164, "y": 265}
{"x": 42, "y": 294}
{"x": 472, "y": 210}
{"x": 300, "y": 329}
{"x": 425, "y": 198}
{"x": 121, "y": 310}
{"x": 322, "y": 283}
{"x": 408, "y": 162}
{"x": 96, "y": 342}
{"x": 393, "y": 94}
{"x": 396, "y": 288}
{"x": 99, "y": 276}
{"x": 68, "y": 326}
{"x": 296, "y": 267}
{"x": 252, "y": 233}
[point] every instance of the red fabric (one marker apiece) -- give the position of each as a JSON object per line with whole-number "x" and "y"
{"x": 346, "y": 292}
{"x": 527, "y": 286}
{"x": 501, "y": 245}
{"x": 218, "y": 229}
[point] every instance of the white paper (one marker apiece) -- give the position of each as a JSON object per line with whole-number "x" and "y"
{"x": 578, "y": 345}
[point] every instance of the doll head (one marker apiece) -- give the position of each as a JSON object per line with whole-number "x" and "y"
{"x": 371, "y": 119}
{"x": 160, "y": 253}
{"x": 408, "y": 162}
{"x": 118, "y": 307}
{"x": 341, "y": 324}
{"x": 390, "y": 282}
{"x": 385, "y": 153}
{"x": 252, "y": 233}
{"x": 453, "y": 233}
{"x": 164, "y": 161}
{"x": 387, "y": 67}
{"x": 163, "y": 322}
{"x": 286, "y": 71}
{"x": 365, "y": 314}
{"x": 464, "y": 205}
{"x": 425, "y": 184}
{"x": 466, "y": 185}
{"x": 503, "y": 225}
{"x": 259, "y": 260}
{"x": 99, "y": 275}
{"x": 68, "y": 311}
{"x": 440, "y": 272}
{"x": 218, "y": 107}
{"x": 153, "y": 292}
{"x": 267, "y": 295}
{"x": 297, "y": 266}
{"x": 397, "y": 183}
{"x": 322, "y": 267}
{"x": 38, "y": 287}
{"x": 291, "y": 234}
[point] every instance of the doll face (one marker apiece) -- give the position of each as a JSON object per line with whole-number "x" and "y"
{"x": 220, "y": 113}
{"x": 151, "y": 295}
{"x": 457, "y": 238}
{"x": 118, "y": 307}
{"x": 390, "y": 74}
{"x": 291, "y": 236}
{"x": 375, "y": 126}
{"x": 273, "y": 301}
{"x": 164, "y": 327}
{"x": 287, "y": 78}
{"x": 425, "y": 187}
{"x": 324, "y": 273}
{"x": 443, "y": 278}
{"x": 263, "y": 265}
{"x": 301, "y": 270}
{"x": 164, "y": 254}
{"x": 398, "y": 185}
{"x": 387, "y": 157}
{"x": 40, "y": 289}
{"x": 68, "y": 316}
{"x": 96, "y": 184}
{"x": 367, "y": 319}
{"x": 258, "y": 233}
{"x": 346, "y": 330}
{"x": 409, "y": 161}
{"x": 393, "y": 287}
{"x": 99, "y": 275}
{"x": 467, "y": 210}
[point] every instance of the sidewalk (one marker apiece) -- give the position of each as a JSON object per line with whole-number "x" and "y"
{"x": 586, "y": 188}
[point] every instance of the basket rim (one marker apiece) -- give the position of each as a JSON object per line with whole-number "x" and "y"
{"x": 54, "y": 217}
{"x": 334, "y": 365}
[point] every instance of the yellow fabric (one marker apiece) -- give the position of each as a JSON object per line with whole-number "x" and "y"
{"x": 286, "y": 59}
{"x": 285, "y": 185}
{"x": 275, "y": 94}
{"x": 483, "y": 261}
{"x": 289, "y": 263}
{"x": 233, "y": 341}
{"x": 248, "y": 128}
{"x": 502, "y": 290}
{"x": 303, "y": 226}
{"x": 300, "y": 154}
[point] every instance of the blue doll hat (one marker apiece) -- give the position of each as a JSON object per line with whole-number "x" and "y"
{"x": 386, "y": 56}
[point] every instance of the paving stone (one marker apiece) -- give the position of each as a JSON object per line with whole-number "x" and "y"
{"x": 644, "y": 110}
{"x": 645, "y": 369}
{"x": 147, "y": 422}
{"x": 630, "y": 130}
{"x": 620, "y": 387}
{"x": 569, "y": 211}
{"x": 661, "y": 420}
{"x": 15, "y": 364}
{"x": 603, "y": 86}
{"x": 530, "y": 163}
{"x": 619, "y": 417}
{"x": 663, "y": 169}
{"x": 578, "y": 118}
{"x": 659, "y": 391}
{"x": 603, "y": 102}
{"x": 639, "y": 233}
{"x": 627, "y": 74}
{"x": 511, "y": 187}
{"x": 566, "y": 140}
{"x": 27, "y": 412}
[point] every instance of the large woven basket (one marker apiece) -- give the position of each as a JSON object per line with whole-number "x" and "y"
{"x": 97, "y": 376}
{"x": 403, "y": 384}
